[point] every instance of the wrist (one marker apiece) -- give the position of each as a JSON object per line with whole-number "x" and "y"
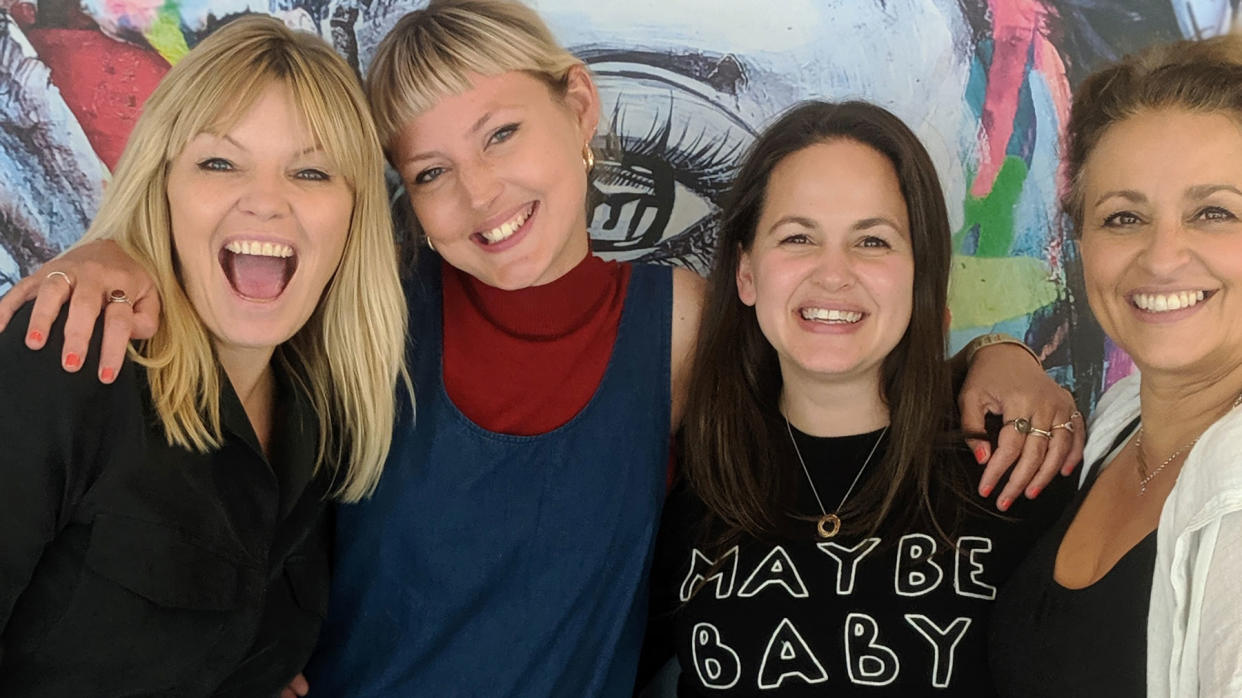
{"x": 995, "y": 338}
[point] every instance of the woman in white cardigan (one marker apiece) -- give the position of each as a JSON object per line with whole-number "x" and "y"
{"x": 1135, "y": 590}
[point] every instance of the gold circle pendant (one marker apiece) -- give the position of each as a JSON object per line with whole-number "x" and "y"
{"x": 828, "y": 525}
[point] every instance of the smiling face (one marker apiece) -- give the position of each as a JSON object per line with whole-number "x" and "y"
{"x": 831, "y": 270}
{"x": 259, "y": 221}
{"x": 1162, "y": 239}
{"x": 497, "y": 180}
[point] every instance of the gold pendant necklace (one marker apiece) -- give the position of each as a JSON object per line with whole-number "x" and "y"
{"x": 1145, "y": 477}
{"x": 829, "y": 525}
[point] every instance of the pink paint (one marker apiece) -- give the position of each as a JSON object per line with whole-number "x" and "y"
{"x": 1118, "y": 362}
{"x": 1015, "y": 26}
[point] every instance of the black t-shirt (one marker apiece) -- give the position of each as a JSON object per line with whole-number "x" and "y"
{"x": 898, "y": 614}
{"x": 1049, "y": 641}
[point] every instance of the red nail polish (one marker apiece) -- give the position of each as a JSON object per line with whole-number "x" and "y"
{"x": 981, "y": 455}
{"x": 35, "y": 336}
{"x": 1004, "y": 504}
{"x": 107, "y": 374}
{"x": 986, "y": 491}
{"x": 72, "y": 360}
{"x": 1033, "y": 492}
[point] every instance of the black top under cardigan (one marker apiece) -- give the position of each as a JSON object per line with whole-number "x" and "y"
{"x": 131, "y": 567}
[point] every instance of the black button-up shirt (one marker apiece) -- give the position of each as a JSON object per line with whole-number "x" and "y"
{"x": 131, "y": 567}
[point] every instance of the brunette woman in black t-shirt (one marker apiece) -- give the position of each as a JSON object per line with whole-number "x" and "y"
{"x": 826, "y": 539}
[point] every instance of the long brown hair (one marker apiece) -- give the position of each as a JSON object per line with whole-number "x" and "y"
{"x": 733, "y": 429}
{"x": 1198, "y": 76}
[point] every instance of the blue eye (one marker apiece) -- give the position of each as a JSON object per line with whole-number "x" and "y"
{"x": 314, "y": 175}
{"x": 503, "y": 133}
{"x": 215, "y": 165}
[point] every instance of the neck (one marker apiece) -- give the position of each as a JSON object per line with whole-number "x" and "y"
{"x": 838, "y": 408}
{"x": 250, "y": 372}
{"x": 1176, "y": 410}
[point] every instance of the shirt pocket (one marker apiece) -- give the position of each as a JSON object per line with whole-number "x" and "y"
{"x": 154, "y": 606}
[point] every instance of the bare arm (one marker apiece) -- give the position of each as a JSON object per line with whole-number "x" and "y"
{"x": 84, "y": 276}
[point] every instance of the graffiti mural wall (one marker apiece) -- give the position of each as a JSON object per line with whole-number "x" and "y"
{"x": 686, "y": 85}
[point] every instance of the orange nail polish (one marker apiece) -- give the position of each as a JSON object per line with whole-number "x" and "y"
{"x": 35, "y": 336}
{"x": 981, "y": 455}
{"x": 107, "y": 375}
{"x": 986, "y": 491}
{"x": 72, "y": 360}
{"x": 1004, "y": 504}
{"x": 1033, "y": 492}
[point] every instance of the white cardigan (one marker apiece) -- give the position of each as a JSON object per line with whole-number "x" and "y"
{"x": 1194, "y": 624}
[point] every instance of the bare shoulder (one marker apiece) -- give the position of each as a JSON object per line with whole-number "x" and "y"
{"x": 688, "y": 291}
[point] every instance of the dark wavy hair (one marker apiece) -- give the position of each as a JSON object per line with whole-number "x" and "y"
{"x": 737, "y": 455}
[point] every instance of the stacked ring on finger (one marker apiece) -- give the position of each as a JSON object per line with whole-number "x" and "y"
{"x": 116, "y": 295}
{"x": 1068, "y": 425}
{"x": 1023, "y": 426}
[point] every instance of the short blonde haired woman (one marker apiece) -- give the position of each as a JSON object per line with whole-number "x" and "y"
{"x": 167, "y": 532}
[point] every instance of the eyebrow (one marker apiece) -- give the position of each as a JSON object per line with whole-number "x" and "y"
{"x": 1127, "y": 194}
{"x": 427, "y": 155}
{"x": 1202, "y": 191}
{"x": 239, "y": 146}
{"x": 862, "y": 224}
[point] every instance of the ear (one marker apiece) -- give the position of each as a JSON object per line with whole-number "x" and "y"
{"x": 583, "y": 100}
{"x": 746, "y": 279}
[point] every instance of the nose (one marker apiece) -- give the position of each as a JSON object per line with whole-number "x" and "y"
{"x": 1166, "y": 249}
{"x": 834, "y": 268}
{"x": 480, "y": 184}
{"x": 264, "y": 196}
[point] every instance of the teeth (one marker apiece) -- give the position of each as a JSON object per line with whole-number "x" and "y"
{"x": 1164, "y": 302}
{"x": 831, "y": 315}
{"x": 259, "y": 249}
{"x": 508, "y": 228}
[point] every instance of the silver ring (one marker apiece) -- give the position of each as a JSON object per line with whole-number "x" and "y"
{"x": 116, "y": 295}
{"x": 1041, "y": 432}
{"x": 62, "y": 275}
{"x": 1068, "y": 426}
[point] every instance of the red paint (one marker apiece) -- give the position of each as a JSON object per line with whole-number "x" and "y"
{"x": 24, "y": 14}
{"x": 103, "y": 81}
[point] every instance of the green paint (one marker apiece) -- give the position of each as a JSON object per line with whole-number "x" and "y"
{"x": 165, "y": 35}
{"x": 986, "y": 290}
{"x": 993, "y": 214}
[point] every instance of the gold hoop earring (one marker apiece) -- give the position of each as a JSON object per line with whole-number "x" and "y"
{"x": 588, "y": 157}
{"x": 430, "y": 246}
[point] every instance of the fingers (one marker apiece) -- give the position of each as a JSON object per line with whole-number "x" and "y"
{"x": 974, "y": 408}
{"x": 297, "y": 687}
{"x": 52, "y": 292}
{"x": 145, "y": 318}
{"x": 1011, "y": 446}
{"x": 118, "y": 321}
{"x": 84, "y": 309}
{"x": 17, "y": 296}
{"x": 1078, "y": 443}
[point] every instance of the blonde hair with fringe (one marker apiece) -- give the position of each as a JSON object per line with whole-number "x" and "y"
{"x": 350, "y": 353}
{"x": 430, "y": 54}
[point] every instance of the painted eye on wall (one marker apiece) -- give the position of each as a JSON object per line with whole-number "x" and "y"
{"x": 667, "y": 154}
